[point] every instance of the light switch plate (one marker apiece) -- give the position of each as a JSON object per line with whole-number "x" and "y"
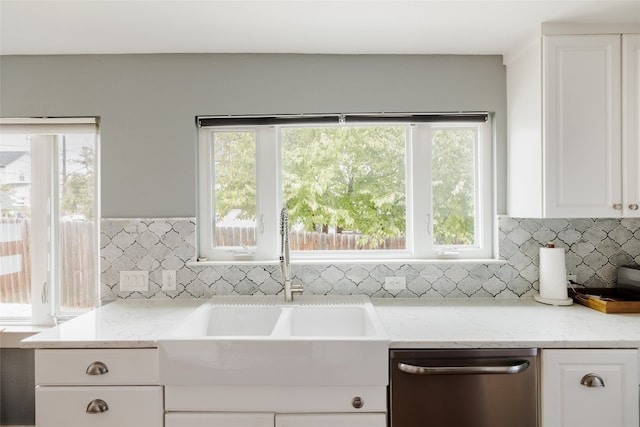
{"x": 134, "y": 281}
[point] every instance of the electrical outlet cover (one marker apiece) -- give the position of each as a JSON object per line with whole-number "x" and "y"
{"x": 396, "y": 283}
{"x": 169, "y": 280}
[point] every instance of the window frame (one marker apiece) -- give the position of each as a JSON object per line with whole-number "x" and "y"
{"x": 419, "y": 213}
{"x": 484, "y": 196}
{"x": 45, "y": 212}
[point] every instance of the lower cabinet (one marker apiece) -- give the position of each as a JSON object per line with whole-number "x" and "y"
{"x": 245, "y": 405}
{"x": 98, "y": 387}
{"x": 271, "y": 420}
{"x": 583, "y": 388}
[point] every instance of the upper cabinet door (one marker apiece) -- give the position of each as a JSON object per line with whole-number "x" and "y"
{"x": 581, "y": 122}
{"x": 631, "y": 123}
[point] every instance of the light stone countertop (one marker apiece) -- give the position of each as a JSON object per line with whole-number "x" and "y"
{"x": 410, "y": 323}
{"x": 120, "y": 324}
{"x": 496, "y": 323}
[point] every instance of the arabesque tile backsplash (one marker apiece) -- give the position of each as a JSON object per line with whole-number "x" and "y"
{"x": 595, "y": 249}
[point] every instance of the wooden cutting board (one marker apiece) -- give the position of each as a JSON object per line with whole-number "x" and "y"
{"x": 608, "y": 303}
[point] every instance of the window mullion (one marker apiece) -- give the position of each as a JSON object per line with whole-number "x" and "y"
{"x": 55, "y": 268}
{"x": 421, "y": 191}
{"x": 488, "y": 191}
{"x": 205, "y": 190}
{"x": 268, "y": 192}
{"x": 42, "y": 155}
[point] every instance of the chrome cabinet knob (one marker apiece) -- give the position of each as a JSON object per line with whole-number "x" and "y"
{"x": 592, "y": 380}
{"x": 633, "y": 206}
{"x": 617, "y": 206}
{"x": 97, "y": 406}
{"x": 97, "y": 368}
{"x": 357, "y": 402}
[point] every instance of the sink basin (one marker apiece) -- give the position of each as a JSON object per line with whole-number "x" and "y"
{"x": 246, "y": 340}
{"x": 215, "y": 321}
{"x": 328, "y": 322}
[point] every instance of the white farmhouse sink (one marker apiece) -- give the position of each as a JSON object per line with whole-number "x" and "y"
{"x": 246, "y": 340}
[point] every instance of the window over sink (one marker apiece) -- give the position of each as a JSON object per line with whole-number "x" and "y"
{"x": 385, "y": 186}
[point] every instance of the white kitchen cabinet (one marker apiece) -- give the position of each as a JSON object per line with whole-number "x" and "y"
{"x": 275, "y": 405}
{"x": 583, "y": 388}
{"x": 570, "y": 153}
{"x": 203, "y": 419}
{"x": 105, "y": 406}
{"x": 110, "y": 366}
{"x": 581, "y": 118}
{"x": 98, "y": 387}
{"x": 331, "y": 420}
{"x": 271, "y": 420}
{"x": 631, "y": 122}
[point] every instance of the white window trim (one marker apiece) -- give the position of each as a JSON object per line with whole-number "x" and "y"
{"x": 484, "y": 198}
{"x": 419, "y": 214}
{"x": 41, "y": 223}
{"x": 267, "y": 199}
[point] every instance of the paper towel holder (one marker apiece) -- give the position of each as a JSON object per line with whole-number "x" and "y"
{"x": 562, "y": 270}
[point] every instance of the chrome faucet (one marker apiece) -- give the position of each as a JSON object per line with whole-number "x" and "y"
{"x": 285, "y": 260}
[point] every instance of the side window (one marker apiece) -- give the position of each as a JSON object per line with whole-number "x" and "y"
{"x": 461, "y": 186}
{"x": 49, "y": 218}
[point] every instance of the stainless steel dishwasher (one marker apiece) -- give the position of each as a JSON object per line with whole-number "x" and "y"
{"x": 464, "y": 388}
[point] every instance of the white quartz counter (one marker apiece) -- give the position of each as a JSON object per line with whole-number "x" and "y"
{"x": 120, "y": 324}
{"x": 493, "y": 323}
{"x": 410, "y": 323}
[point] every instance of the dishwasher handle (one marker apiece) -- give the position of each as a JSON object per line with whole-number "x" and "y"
{"x": 511, "y": 368}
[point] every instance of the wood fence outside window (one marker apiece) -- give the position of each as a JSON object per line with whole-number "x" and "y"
{"x": 77, "y": 263}
{"x": 307, "y": 241}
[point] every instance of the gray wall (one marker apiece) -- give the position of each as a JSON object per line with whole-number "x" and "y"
{"x": 17, "y": 387}
{"x": 147, "y": 105}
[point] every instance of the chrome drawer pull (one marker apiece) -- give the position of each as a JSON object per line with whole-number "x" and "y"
{"x": 97, "y": 368}
{"x": 97, "y": 406}
{"x": 633, "y": 206}
{"x": 514, "y": 368}
{"x": 592, "y": 380}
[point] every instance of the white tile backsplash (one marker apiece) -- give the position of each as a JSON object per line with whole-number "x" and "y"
{"x": 595, "y": 249}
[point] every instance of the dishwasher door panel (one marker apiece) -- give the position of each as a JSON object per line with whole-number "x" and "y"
{"x": 464, "y": 388}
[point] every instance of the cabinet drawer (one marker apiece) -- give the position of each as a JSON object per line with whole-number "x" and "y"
{"x": 331, "y": 420}
{"x": 137, "y": 406}
{"x": 204, "y": 419}
{"x": 97, "y": 367}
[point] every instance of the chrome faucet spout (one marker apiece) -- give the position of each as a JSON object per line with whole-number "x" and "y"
{"x": 285, "y": 260}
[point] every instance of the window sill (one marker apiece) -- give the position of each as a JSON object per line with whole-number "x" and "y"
{"x": 349, "y": 261}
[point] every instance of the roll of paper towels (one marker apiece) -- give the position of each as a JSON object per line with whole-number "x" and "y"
{"x": 553, "y": 274}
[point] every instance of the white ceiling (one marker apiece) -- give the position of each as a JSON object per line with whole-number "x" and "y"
{"x": 34, "y": 27}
